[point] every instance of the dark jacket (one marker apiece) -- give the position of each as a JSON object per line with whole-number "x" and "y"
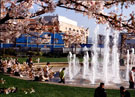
{"x": 100, "y": 92}
{"x": 125, "y": 94}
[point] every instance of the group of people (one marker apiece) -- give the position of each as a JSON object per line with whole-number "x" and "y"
{"x": 27, "y": 69}
{"x": 101, "y": 92}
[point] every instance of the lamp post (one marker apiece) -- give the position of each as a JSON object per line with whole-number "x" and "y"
{"x": 27, "y": 40}
{"x": 53, "y": 39}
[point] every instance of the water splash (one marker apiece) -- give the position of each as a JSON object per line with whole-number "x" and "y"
{"x": 94, "y": 61}
{"x": 106, "y": 56}
{"x": 85, "y": 64}
{"x": 99, "y": 71}
{"x": 115, "y": 59}
{"x": 70, "y": 58}
{"x": 127, "y": 68}
{"x": 74, "y": 66}
{"x": 132, "y": 57}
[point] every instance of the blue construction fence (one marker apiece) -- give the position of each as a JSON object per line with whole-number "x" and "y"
{"x": 56, "y": 41}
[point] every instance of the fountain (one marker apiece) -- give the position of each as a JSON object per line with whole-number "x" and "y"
{"x": 74, "y": 66}
{"x": 127, "y": 69}
{"x": 130, "y": 62}
{"x": 86, "y": 63}
{"x": 70, "y": 65}
{"x": 115, "y": 59}
{"x": 106, "y": 70}
{"x": 132, "y": 56}
{"x": 106, "y": 57}
{"x": 94, "y": 61}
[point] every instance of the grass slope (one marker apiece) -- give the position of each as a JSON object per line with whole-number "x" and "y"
{"x": 44, "y": 59}
{"x": 48, "y": 90}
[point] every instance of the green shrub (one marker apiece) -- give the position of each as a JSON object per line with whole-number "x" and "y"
{"x": 10, "y": 51}
{"x": 31, "y": 53}
{"x": 39, "y": 53}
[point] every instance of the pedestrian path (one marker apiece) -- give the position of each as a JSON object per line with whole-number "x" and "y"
{"x": 116, "y": 87}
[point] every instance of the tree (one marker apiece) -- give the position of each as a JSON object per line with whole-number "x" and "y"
{"x": 25, "y": 9}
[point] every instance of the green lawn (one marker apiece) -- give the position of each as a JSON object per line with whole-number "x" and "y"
{"x": 48, "y": 90}
{"x": 42, "y": 59}
{"x": 46, "y": 59}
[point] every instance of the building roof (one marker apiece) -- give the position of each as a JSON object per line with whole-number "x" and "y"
{"x": 67, "y": 20}
{"x": 61, "y": 19}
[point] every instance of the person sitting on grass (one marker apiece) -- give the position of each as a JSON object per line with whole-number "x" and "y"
{"x": 100, "y": 91}
{"x": 29, "y": 62}
{"x": 46, "y": 71}
{"x": 62, "y": 76}
{"x": 37, "y": 76}
{"x": 16, "y": 61}
{"x": 124, "y": 92}
{"x": 16, "y": 70}
{"x": 8, "y": 90}
{"x": 25, "y": 70}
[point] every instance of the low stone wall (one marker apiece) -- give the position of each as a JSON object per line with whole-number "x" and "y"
{"x": 55, "y": 64}
{"x": 65, "y": 64}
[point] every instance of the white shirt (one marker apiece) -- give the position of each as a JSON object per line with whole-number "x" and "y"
{"x": 132, "y": 76}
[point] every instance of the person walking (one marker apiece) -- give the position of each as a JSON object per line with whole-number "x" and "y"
{"x": 124, "y": 92}
{"x": 131, "y": 78}
{"x": 100, "y": 91}
{"x": 62, "y": 76}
